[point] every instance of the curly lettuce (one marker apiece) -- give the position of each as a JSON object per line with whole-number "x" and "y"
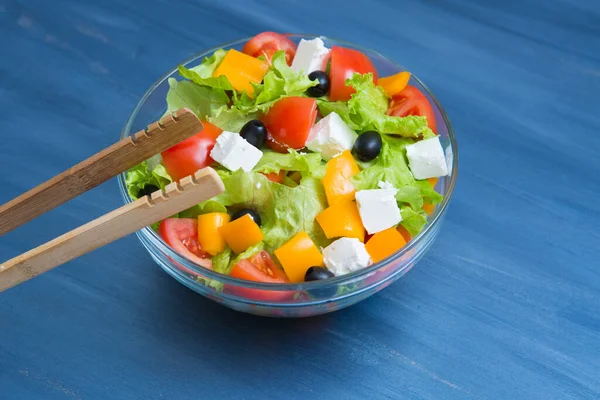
{"x": 281, "y": 81}
{"x": 143, "y": 175}
{"x": 284, "y": 210}
{"x": 366, "y": 110}
{"x": 308, "y": 164}
{"x": 392, "y": 166}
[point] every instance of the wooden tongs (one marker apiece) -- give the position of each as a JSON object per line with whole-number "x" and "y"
{"x": 113, "y": 160}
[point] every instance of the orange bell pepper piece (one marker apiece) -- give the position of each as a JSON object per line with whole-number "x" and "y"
{"x": 209, "y": 237}
{"x": 242, "y": 69}
{"x": 433, "y": 181}
{"x": 394, "y": 84}
{"x": 297, "y": 255}
{"x": 342, "y": 219}
{"x": 336, "y": 180}
{"x": 385, "y": 243}
{"x": 428, "y": 208}
{"x": 241, "y": 233}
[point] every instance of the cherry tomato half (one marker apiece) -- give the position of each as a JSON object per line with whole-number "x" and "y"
{"x": 410, "y": 101}
{"x": 268, "y": 43}
{"x": 182, "y": 235}
{"x": 192, "y": 154}
{"x": 344, "y": 63}
{"x": 260, "y": 268}
{"x": 289, "y": 122}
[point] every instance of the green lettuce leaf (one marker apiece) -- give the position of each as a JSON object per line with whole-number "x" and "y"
{"x": 203, "y": 74}
{"x": 204, "y": 94}
{"x": 213, "y": 283}
{"x": 204, "y": 101}
{"x": 366, "y": 110}
{"x": 287, "y": 181}
{"x": 208, "y": 98}
{"x": 231, "y": 120}
{"x": 140, "y": 175}
{"x": 249, "y": 252}
{"x": 410, "y": 195}
{"x": 341, "y": 108}
{"x": 204, "y": 208}
{"x": 428, "y": 193}
{"x": 412, "y": 220}
{"x": 209, "y": 64}
{"x": 219, "y": 82}
{"x": 211, "y": 206}
{"x": 284, "y": 210}
{"x": 271, "y": 89}
{"x": 391, "y": 166}
{"x": 280, "y": 81}
{"x": 221, "y": 261}
{"x": 307, "y": 163}
{"x": 294, "y": 82}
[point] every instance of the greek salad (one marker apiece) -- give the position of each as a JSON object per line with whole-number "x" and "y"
{"x": 328, "y": 168}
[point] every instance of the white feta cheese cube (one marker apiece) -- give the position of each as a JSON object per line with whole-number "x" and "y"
{"x": 378, "y": 208}
{"x": 426, "y": 159}
{"x": 311, "y": 55}
{"x": 346, "y": 255}
{"x": 331, "y": 136}
{"x": 233, "y": 152}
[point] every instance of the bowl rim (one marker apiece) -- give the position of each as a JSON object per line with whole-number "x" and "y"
{"x": 350, "y": 278}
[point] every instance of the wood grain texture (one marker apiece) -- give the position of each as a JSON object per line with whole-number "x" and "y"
{"x": 145, "y": 211}
{"x": 504, "y": 306}
{"x": 99, "y": 168}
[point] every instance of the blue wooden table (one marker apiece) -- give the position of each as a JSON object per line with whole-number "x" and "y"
{"x": 506, "y": 305}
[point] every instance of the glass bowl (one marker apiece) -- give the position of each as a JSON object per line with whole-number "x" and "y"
{"x": 308, "y": 298}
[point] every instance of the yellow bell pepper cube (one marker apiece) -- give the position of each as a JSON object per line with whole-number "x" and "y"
{"x": 385, "y": 243}
{"x": 209, "y": 237}
{"x": 297, "y": 255}
{"x": 336, "y": 180}
{"x": 241, "y": 233}
{"x": 241, "y": 70}
{"x": 342, "y": 220}
{"x": 394, "y": 84}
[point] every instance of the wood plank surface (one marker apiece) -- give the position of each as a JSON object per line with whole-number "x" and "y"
{"x": 504, "y": 306}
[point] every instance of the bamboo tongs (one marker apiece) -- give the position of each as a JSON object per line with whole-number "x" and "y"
{"x": 121, "y": 156}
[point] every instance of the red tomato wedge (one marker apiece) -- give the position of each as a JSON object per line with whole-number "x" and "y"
{"x": 289, "y": 122}
{"x": 268, "y": 43}
{"x": 182, "y": 235}
{"x": 192, "y": 154}
{"x": 344, "y": 63}
{"x": 260, "y": 268}
{"x": 410, "y": 101}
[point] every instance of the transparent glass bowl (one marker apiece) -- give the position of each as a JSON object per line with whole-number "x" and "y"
{"x": 309, "y": 298}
